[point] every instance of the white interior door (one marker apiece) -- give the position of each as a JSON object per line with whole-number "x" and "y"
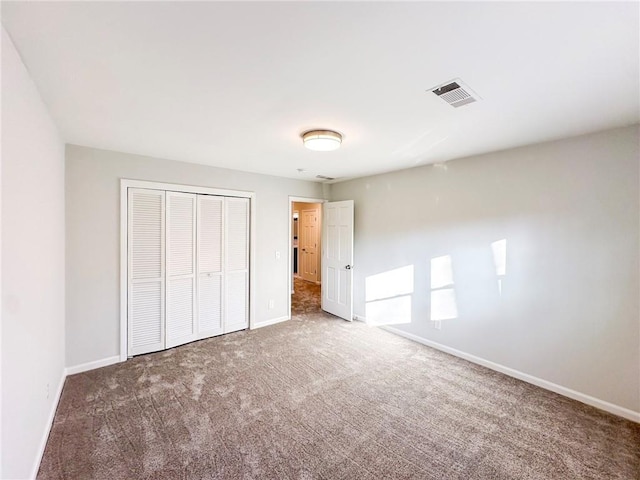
{"x": 181, "y": 269}
{"x": 337, "y": 258}
{"x": 236, "y": 264}
{"x": 145, "y": 273}
{"x": 210, "y": 229}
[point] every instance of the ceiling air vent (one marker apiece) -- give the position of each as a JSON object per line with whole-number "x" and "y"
{"x": 324, "y": 177}
{"x": 456, "y": 93}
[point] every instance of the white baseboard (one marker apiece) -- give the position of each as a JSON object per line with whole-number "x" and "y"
{"x": 85, "y": 367}
{"x": 45, "y": 434}
{"x": 567, "y": 392}
{"x": 273, "y": 321}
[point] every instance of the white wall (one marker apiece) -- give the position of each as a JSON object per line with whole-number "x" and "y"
{"x": 93, "y": 236}
{"x": 32, "y": 267}
{"x": 569, "y": 211}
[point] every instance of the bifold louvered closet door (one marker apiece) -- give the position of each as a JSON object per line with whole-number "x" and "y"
{"x": 146, "y": 241}
{"x": 236, "y": 264}
{"x": 210, "y": 264}
{"x": 188, "y": 267}
{"x": 180, "y": 267}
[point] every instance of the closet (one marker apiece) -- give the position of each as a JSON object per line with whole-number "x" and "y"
{"x": 187, "y": 267}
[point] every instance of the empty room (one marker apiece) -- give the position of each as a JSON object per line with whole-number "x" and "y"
{"x": 320, "y": 240}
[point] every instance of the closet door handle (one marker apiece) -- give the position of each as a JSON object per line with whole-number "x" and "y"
{"x": 348, "y": 267}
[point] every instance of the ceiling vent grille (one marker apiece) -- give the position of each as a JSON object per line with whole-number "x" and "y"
{"x": 456, "y": 93}
{"x": 324, "y": 177}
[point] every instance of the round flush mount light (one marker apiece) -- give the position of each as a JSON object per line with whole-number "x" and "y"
{"x": 322, "y": 140}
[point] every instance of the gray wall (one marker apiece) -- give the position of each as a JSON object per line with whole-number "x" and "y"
{"x": 93, "y": 238}
{"x": 569, "y": 212}
{"x": 32, "y": 267}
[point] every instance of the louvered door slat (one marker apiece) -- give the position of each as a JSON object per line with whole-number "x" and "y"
{"x": 236, "y": 301}
{"x": 146, "y": 230}
{"x": 181, "y": 230}
{"x": 237, "y": 241}
{"x": 181, "y": 234}
{"x": 146, "y": 234}
{"x": 180, "y": 297}
{"x": 146, "y": 311}
{"x": 210, "y": 306}
{"x": 210, "y": 211}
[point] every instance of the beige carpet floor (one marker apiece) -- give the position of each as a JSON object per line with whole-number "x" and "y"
{"x": 306, "y": 297}
{"x": 321, "y": 398}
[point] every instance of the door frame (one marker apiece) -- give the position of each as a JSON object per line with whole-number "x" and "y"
{"x": 125, "y": 184}
{"x": 290, "y": 242}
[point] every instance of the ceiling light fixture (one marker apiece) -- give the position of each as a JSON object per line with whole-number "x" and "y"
{"x": 322, "y": 140}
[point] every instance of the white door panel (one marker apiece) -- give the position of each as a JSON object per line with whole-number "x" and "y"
{"x": 181, "y": 265}
{"x": 236, "y": 301}
{"x": 210, "y": 265}
{"x": 337, "y": 259}
{"x": 146, "y": 265}
{"x": 145, "y": 318}
{"x": 180, "y": 318}
{"x": 236, "y": 274}
{"x": 210, "y": 306}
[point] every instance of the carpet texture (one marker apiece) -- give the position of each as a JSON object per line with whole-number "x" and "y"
{"x": 321, "y": 398}
{"x": 306, "y": 297}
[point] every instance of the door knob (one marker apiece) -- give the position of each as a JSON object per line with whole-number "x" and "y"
{"x": 348, "y": 267}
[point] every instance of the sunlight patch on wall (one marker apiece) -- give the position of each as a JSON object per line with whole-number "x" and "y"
{"x": 499, "y": 249}
{"x": 441, "y": 272}
{"x": 388, "y": 297}
{"x": 443, "y": 297}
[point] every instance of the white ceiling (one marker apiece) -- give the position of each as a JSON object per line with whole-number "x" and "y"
{"x": 234, "y": 84}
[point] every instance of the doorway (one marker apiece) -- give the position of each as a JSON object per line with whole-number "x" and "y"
{"x": 306, "y": 253}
